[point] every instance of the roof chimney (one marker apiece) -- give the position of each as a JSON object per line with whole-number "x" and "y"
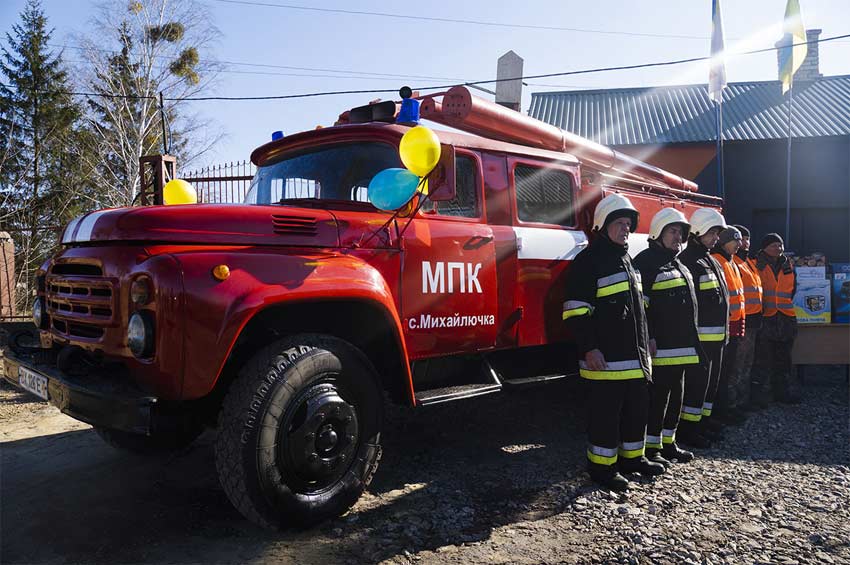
{"x": 810, "y": 69}
{"x": 509, "y": 92}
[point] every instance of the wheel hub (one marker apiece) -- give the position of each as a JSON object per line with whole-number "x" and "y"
{"x": 327, "y": 438}
{"x": 319, "y": 436}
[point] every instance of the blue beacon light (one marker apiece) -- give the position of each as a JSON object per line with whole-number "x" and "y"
{"x": 277, "y": 135}
{"x": 409, "y": 112}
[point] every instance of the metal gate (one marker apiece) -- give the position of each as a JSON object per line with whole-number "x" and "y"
{"x": 226, "y": 183}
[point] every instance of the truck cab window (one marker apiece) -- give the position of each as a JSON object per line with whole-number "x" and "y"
{"x": 544, "y": 195}
{"x": 336, "y": 172}
{"x": 465, "y": 202}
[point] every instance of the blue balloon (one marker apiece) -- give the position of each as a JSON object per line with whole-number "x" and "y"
{"x": 392, "y": 188}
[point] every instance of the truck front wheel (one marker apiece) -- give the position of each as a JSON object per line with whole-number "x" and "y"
{"x": 299, "y": 432}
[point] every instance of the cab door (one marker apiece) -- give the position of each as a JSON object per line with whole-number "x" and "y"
{"x": 449, "y": 294}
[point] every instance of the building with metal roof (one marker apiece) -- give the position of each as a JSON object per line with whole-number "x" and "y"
{"x": 684, "y": 114}
{"x": 673, "y": 127}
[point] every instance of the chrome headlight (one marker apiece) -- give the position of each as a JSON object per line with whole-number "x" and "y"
{"x": 38, "y": 313}
{"x": 140, "y": 334}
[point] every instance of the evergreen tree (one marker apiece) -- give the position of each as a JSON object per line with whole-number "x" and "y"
{"x": 38, "y": 117}
{"x": 38, "y": 111}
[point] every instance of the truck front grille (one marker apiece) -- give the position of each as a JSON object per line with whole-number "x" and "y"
{"x": 81, "y": 302}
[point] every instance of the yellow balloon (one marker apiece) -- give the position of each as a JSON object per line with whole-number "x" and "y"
{"x": 178, "y": 191}
{"x": 423, "y": 187}
{"x": 419, "y": 150}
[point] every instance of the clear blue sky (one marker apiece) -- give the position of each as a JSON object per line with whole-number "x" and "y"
{"x": 350, "y": 43}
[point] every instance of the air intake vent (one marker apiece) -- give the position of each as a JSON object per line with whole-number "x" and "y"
{"x": 80, "y": 269}
{"x": 294, "y": 225}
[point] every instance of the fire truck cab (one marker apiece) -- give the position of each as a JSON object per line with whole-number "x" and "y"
{"x": 285, "y": 321}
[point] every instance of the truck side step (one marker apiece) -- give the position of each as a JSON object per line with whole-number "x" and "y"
{"x": 446, "y": 394}
{"x": 539, "y": 379}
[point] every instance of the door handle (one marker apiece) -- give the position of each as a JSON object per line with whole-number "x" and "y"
{"x": 477, "y": 241}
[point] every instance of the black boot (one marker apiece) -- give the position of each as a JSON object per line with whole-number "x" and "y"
{"x": 655, "y": 456}
{"x": 711, "y": 429}
{"x": 609, "y": 478}
{"x": 736, "y": 416}
{"x": 692, "y": 438}
{"x": 673, "y": 452}
{"x": 641, "y": 465}
{"x": 788, "y": 398}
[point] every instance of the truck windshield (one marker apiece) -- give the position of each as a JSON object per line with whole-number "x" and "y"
{"x": 338, "y": 172}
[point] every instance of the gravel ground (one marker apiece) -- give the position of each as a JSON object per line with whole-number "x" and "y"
{"x": 495, "y": 480}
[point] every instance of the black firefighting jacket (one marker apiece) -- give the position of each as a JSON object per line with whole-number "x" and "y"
{"x": 671, "y": 306}
{"x": 604, "y": 310}
{"x": 712, "y": 294}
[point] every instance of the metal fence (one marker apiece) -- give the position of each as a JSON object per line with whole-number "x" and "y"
{"x": 226, "y": 183}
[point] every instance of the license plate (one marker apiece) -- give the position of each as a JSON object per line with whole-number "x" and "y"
{"x": 33, "y": 382}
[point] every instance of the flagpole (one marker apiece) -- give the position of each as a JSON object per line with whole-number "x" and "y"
{"x": 718, "y": 114}
{"x": 788, "y": 169}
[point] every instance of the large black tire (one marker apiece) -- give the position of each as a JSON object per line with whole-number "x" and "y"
{"x": 299, "y": 432}
{"x": 153, "y": 444}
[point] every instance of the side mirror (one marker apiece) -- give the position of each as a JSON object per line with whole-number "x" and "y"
{"x": 441, "y": 182}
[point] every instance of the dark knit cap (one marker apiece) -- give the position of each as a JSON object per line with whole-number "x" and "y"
{"x": 728, "y": 235}
{"x": 771, "y": 238}
{"x": 743, "y": 229}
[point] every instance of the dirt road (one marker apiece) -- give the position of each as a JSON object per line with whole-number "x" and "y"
{"x": 498, "y": 480}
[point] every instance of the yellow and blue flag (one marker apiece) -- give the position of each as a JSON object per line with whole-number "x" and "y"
{"x": 791, "y": 55}
{"x": 717, "y": 72}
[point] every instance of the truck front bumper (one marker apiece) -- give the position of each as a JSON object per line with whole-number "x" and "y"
{"x": 100, "y": 397}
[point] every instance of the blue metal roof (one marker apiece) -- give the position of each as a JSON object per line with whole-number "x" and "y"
{"x": 682, "y": 114}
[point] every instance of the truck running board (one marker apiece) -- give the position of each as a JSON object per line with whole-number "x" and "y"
{"x": 539, "y": 379}
{"x": 446, "y": 394}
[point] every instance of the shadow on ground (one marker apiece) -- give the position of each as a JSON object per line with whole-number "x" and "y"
{"x": 450, "y": 475}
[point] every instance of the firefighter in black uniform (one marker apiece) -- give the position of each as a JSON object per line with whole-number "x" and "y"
{"x": 695, "y": 427}
{"x": 604, "y": 311}
{"x": 671, "y": 309}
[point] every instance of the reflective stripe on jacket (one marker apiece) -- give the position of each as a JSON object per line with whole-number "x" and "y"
{"x": 671, "y": 310}
{"x": 711, "y": 291}
{"x": 604, "y": 310}
{"x": 778, "y": 287}
{"x": 752, "y": 286}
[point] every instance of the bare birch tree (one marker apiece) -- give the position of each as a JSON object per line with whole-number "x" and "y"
{"x": 157, "y": 46}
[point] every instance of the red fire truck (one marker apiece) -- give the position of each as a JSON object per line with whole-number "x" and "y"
{"x": 285, "y": 321}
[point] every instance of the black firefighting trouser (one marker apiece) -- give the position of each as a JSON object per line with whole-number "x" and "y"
{"x": 665, "y": 403}
{"x": 721, "y": 399}
{"x": 616, "y": 421}
{"x": 701, "y": 386}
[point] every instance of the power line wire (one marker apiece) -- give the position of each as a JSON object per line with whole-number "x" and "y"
{"x": 526, "y": 77}
{"x": 267, "y": 73}
{"x": 456, "y": 20}
{"x": 469, "y": 83}
{"x": 267, "y": 65}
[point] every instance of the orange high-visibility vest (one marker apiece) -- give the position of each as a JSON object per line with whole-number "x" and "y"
{"x": 735, "y": 286}
{"x": 778, "y": 291}
{"x": 752, "y": 286}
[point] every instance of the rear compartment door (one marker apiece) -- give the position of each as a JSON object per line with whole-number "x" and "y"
{"x": 545, "y": 219}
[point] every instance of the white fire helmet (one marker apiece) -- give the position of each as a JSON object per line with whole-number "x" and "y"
{"x": 610, "y": 204}
{"x": 664, "y": 218}
{"x": 703, "y": 219}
